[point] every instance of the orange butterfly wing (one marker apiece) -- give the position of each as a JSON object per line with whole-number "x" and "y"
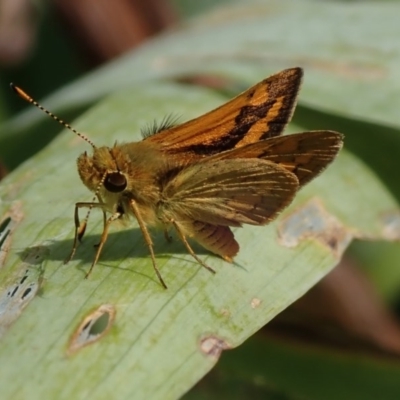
{"x": 259, "y": 113}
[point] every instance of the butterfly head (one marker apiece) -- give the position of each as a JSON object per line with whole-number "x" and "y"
{"x": 105, "y": 171}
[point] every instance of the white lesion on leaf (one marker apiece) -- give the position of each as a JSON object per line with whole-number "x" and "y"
{"x": 92, "y": 328}
{"x": 312, "y": 221}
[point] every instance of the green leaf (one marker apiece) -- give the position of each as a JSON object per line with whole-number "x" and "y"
{"x": 161, "y": 341}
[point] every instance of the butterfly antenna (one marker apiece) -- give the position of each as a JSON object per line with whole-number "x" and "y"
{"x": 29, "y": 99}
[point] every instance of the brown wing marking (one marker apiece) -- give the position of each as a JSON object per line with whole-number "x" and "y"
{"x": 304, "y": 154}
{"x": 258, "y": 113}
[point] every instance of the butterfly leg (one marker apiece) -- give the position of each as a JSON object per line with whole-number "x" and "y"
{"x": 147, "y": 239}
{"x": 104, "y": 220}
{"x": 188, "y": 248}
{"x": 80, "y": 228}
{"x": 104, "y": 225}
{"x": 103, "y": 239}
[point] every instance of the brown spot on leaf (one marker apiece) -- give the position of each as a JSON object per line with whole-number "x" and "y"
{"x": 255, "y": 302}
{"x": 92, "y": 328}
{"x": 212, "y": 346}
{"x": 313, "y": 222}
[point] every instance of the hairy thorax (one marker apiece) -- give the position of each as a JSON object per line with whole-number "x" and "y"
{"x": 125, "y": 173}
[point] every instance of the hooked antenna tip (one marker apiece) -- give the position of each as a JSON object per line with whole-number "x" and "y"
{"x": 20, "y": 92}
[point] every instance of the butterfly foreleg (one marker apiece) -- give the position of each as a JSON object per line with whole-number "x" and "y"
{"x": 80, "y": 228}
{"x": 147, "y": 238}
{"x": 103, "y": 239}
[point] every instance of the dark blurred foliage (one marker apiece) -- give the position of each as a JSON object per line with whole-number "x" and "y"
{"x": 42, "y": 48}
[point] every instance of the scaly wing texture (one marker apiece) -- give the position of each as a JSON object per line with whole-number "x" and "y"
{"x": 258, "y": 113}
{"x": 228, "y": 192}
{"x": 304, "y": 154}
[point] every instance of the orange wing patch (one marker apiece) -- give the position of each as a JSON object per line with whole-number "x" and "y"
{"x": 258, "y": 113}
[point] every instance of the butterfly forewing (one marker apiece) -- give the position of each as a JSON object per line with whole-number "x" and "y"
{"x": 258, "y": 113}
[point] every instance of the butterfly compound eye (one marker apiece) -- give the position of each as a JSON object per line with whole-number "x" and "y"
{"x": 115, "y": 182}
